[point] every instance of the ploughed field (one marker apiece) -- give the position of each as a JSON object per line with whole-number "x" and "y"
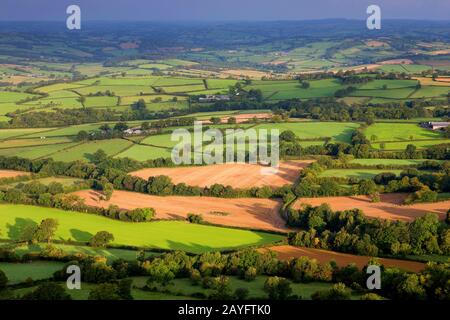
{"x": 390, "y": 207}
{"x": 174, "y": 235}
{"x": 12, "y": 173}
{"x": 237, "y": 175}
{"x": 250, "y": 213}
{"x": 341, "y": 259}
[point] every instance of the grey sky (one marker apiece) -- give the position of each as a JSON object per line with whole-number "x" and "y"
{"x": 151, "y": 10}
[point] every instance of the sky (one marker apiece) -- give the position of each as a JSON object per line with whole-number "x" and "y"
{"x": 220, "y": 10}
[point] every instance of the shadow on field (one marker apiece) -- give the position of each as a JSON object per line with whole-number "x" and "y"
{"x": 16, "y": 230}
{"x": 80, "y": 235}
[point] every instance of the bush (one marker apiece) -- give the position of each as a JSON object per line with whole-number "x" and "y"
{"x": 194, "y": 218}
{"x": 101, "y": 239}
{"x": 241, "y": 293}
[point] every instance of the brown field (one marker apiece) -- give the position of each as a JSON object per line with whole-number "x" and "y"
{"x": 341, "y": 259}
{"x": 238, "y": 175}
{"x": 245, "y": 73}
{"x": 12, "y": 173}
{"x": 375, "y": 44}
{"x": 425, "y": 81}
{"x": 241, "y": 118}
{"x": 397, "y": 61}
{"x": 261, "y": 214}
{"x": 390, "y": 207}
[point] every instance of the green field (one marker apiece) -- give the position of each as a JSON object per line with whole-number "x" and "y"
{"x": 394, "y": 162}
{"x": 37, "y": 270}
{"x": 35, "y": 152}
{"x": 109, "y": 253}
{"x": 142, "y": 153}
{"x": 355, "y": 173}
{"x": 399, "y": 132}
{"x": 173, "y": 235}
{"x": 338, "y": 131}
{"x": 403, "y": 145}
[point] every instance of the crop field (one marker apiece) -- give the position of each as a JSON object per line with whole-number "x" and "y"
{"x": 236, "y": 175}
{"x": 12, "y": 173}
{"x": 37, "y": 270}
{"x": 253, "y": 213}
{"x": 390, "y": 207}
{"x": 176, "y": 235}
{"x": 341, "y": 259}
{"x": 356, "y": 173}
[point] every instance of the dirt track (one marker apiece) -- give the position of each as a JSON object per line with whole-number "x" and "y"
{"x": 12, "y": 173}
{"x": 342, "y": 259}
{"x": 246, "y": 212}
{"x": 390, "y": 207}
{"x": 238, "y": 175}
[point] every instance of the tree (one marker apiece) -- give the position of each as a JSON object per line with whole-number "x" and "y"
{"x": 47, "y": 291}
{"x": 215, "y": 120}
{"x": 120, "y": 126}
{"x": 410, "y": 151}
{"x": 231, "y": 120}
{"x": 277, "y": 288}
{"x": 337, "y": 292}
{"x": 3, "y": 280}
{"x": 82, "y": 136}
{"x": 105, "y": 291}
{"x": 288, "y": 136}
{"x": 221, "y": 287}
{"x": 99, "y": 156}
{"x": 46, "y": 230}
{"x": 241, "y": 293}
{"x": 101, "y": 239}
{"x": 305, "y": 84}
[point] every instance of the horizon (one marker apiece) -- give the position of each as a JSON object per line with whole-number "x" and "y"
{"x": 220, "y": 10}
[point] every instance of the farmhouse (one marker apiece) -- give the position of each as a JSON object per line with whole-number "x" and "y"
{"x": 133, "y": 131}
{"x": 214, "y": 97}
{"x": 435, "y": 125}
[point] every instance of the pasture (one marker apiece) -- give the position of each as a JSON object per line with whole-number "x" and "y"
{"x": 402, "y": 132}
{"x": 175, "y": 235}
{"x": 37, "y": 270}
{"x": 355, "y": 173}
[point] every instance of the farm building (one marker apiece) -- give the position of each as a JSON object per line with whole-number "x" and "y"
{"x": 435, "y": 125}
{"x": 214, "y": 97}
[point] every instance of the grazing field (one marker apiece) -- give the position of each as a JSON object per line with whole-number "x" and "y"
{"x": 406, "y": 132}
{"x": 36, "y": 152}
{"x": 392, "y": 162}
{"x": 402, "y": 145}
{"x": 237, "y": 175}
{"x": 142, "y": 152}
{"x": 390, "y": 207}
{"x": 109, "y": 253}
{"x": 37, "y": 270}
{"x": 341, "y": 259}
{"x": 250, "y": 213}
{"x": 175, "y": 235}
{"x": 356, "y": 173}
{"x": 184, "y": 286}
{"x": 337, "y": 131}
{"x": 85, "y": 150}
{"x": 12, "y": 174}
{"x": 10, "y": 133}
